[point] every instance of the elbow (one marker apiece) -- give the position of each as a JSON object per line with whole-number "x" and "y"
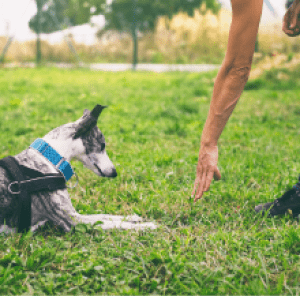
{"x": 233, "y": 78}
{"x": 240, "y": 72}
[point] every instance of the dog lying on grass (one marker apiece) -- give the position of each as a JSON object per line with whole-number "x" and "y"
{"x": 50, "y": 157}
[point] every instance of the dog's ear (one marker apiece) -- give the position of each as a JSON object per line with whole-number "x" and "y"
{"x": 97, "y": 111}
{"x": 89, "y": 120}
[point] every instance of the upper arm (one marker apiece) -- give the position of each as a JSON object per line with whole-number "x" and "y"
{"x": 243, "y": 31}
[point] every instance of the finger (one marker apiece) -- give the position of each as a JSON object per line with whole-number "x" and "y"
{"x": 292, "y": 33}
{"x": 284, "y": 24}
{"x": 294, "y": 17}
{"x": 201, "y": 185}
{"x": 198, "y": 193}
{"x": 287, "y": 23}
{"x": 286, "y": 29}
{"x": 290, "y": 15}
{"x": 217, "y": 175}
{"x": 286, "y": 18}
{"x": 208, "y": 180}
{"x": 198, "y": 177}
{"x": 198, "y": 196}
{"x": 197, "y": 180}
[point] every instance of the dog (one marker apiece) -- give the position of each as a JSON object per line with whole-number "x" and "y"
{"x": 81, "y": 140}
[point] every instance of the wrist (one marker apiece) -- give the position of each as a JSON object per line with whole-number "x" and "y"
{"x": 208, "y": 143}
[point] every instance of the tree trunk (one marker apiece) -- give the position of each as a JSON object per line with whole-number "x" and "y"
{"x": 9, "y": 41}
{"x": 38, "y": 40}
{"x": 134, "y": 37}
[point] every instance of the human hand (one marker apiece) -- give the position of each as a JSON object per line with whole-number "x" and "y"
{"x": 206, "y": 170}
{"x": 291, "y": 21}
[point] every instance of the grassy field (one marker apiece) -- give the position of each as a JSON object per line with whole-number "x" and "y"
{"x": 217, "y": 246}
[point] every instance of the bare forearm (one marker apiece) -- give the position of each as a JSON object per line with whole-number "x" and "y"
{"x": 228, "y": 88}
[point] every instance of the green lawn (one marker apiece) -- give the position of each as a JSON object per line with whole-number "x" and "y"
{"x": 217, "y": 246}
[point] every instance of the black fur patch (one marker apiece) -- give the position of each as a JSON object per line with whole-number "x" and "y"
{"x": 94, "y": 141}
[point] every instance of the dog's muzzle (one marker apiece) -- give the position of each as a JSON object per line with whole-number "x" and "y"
{"x": 112, "y": 174}
{"x": 107, "y": 172}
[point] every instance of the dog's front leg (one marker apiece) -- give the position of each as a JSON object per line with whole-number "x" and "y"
{"x": 112, "y": 221}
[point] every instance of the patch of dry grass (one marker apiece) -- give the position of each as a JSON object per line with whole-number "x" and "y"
{"x": 201, "y": 39}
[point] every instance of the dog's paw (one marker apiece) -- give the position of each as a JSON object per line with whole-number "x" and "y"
{"x": 137, "y": 226}
{"x": 127, "y": 225}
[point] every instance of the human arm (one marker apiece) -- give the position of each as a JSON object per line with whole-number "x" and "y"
{"x": 228, "y": 87}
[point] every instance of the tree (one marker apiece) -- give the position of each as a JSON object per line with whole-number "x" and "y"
{"x": 59, "y": 14}
{"x": 39, "y": 5}
{"x": 123, "y": 15}
{"x": 142, "y": 15}
{"x": 55, "y": 15}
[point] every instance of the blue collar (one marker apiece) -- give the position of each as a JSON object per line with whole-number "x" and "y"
{"x": 54, "y": 157}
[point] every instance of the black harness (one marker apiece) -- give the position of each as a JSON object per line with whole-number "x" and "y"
{"x": 26, "y": 181}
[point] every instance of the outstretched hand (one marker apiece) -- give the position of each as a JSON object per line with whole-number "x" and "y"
{"x": 206, "y": 170}
{"x": 291, "y": 21}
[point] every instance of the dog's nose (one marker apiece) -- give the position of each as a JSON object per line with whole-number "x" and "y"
{"x": 110, "y": 173}
{"x": 114, "y": 173}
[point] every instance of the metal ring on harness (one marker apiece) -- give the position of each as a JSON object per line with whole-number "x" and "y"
{"x": 76, "y": 183}
{"x": 9, "y": 188}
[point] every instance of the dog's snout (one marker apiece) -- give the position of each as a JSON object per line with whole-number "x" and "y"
{"x": 110, "y": 173}
{"x": 107, "y": 172}
{"x": 114, "y": 173}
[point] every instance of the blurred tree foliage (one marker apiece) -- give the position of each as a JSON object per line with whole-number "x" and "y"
{"x": 60, "y": 14}
{"x": 141, "y": 15}
{"x": 119, "y": 14}
{"x": 123, "y": 15}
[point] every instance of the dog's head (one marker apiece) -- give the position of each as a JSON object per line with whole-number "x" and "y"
{"x": 88, "y": 135}
{"x": 82, "y": 140}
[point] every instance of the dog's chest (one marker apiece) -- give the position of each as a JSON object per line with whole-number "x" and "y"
{"x": 31, "y": 159}
{"x": 6, "y": 198}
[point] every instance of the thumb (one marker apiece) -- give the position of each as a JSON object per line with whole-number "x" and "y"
{"x": 217, "y": 174}
{"x": 294, "y": 17}
{"x": 293, "y": 23}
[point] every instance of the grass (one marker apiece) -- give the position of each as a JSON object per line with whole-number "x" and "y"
{"x": 217, "y": 246}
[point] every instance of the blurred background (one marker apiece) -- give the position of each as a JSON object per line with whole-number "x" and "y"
{"x": 131, "y": 31}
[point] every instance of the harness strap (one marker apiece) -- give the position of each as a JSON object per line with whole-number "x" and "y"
{"x": 37, "y": 181}
{"x": 50, "y": 183}
{"x": 24, "y": 209}
{"x": 33, "y": 181}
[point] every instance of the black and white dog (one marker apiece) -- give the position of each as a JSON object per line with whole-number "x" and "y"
{"x": 81, "y": 140}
